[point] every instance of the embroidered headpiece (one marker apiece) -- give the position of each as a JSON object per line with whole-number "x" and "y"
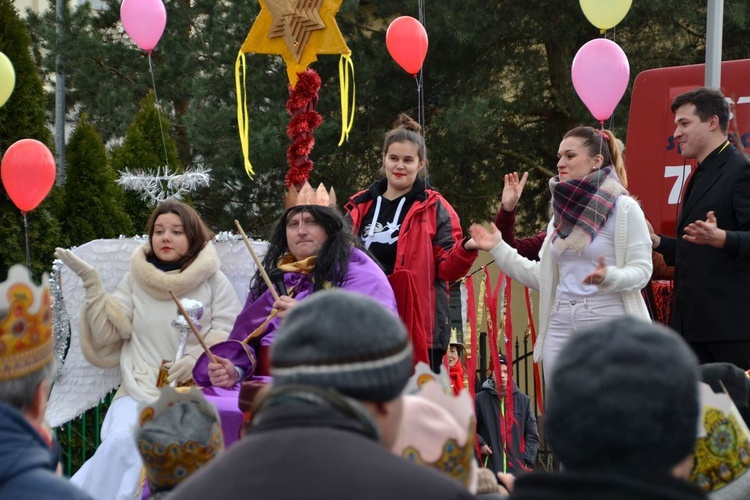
{"x": 178, "y": 434}
{"x": 26, "y": 342}
{"x": 437, "y": 428}
{"x": 722, "y": 452}
{"x": 309, "y": 196}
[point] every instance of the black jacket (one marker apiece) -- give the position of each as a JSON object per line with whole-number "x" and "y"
{"x": 578, "y": 486}
{"x": 27, "y": 465}
{"x": 488, "y": 429}
{"x": 299, "y": 452}
{"x": 712, "y": 285}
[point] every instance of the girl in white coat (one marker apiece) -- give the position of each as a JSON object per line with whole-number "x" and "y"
{"x": 131, "y": 328}
{"x": 596, "y": 256}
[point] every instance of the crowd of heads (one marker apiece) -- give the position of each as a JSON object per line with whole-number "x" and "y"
{"x": 623, "y": 396}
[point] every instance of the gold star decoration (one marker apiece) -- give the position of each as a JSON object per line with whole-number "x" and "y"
{"x": 295, "y": 22}
{"x": 297, "y": 30}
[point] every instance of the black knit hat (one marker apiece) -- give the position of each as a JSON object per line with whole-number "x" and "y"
{"x": 623, "y": 397}
{"x": 346, "y": 341}
{"x": 734, "y": 379}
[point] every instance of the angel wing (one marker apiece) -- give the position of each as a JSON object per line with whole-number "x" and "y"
{"x": 79, "y": 385}
{"x": 236, "y": 261}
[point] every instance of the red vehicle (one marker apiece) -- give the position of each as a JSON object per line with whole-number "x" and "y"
{"x": 657, "y": 173}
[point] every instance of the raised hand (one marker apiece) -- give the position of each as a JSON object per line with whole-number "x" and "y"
{"x": 706, "y": 232}
{"x": 512, "y": 189}
{"x": 483, "y": 239}
{"x": 75, "y": 263}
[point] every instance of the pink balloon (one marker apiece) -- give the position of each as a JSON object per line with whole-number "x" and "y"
{"x": 144, "y": 21}
{"x": 600, "y": 75}
{"x": 406, "y": 40}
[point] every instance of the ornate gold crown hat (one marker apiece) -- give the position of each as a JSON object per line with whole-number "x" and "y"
{"x": 722, "y": 451}
{"x": 437, "y": 428}
{"x": 26, "y": 342}
{"x": 179, "y": 433}
{"x": 309, "y": 196}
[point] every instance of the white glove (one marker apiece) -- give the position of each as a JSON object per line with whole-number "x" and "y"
{"x": 182, "y": 370}
{"x": 74, "y": 262}
{"x": 92, "y": 282}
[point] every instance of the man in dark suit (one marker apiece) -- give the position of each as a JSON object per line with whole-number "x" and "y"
{"x": 711, "y": 253}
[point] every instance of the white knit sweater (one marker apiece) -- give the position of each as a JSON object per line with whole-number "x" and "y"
{"x": 631, "y": 272}
{"x": 132, "y": 327}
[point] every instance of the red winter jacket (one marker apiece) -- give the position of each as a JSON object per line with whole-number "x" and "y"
{"x": 429, "y": 255}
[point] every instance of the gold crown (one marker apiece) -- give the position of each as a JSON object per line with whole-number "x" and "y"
{"x": 723, "y": 454}
{"x": 437, "y": 430}
{"x": 722, "y": 451}
{"x": 171, "y": 452}
{"x": 26, "y": 342}
{"x": 309, "y": 196}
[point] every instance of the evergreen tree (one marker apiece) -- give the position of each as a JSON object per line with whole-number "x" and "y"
{"x": 143, "y": 150}
{"x": 497, "y": 90}
{"x": 23, "y": 117}
{"x": 93, "y": 205}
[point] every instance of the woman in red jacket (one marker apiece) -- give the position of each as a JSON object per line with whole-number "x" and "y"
{"x": 416, "y": 236}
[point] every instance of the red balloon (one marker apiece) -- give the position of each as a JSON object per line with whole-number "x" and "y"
{"x": 28, "y": 173}
{"x": 406, "y": 40}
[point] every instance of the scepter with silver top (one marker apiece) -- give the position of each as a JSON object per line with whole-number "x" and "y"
{"x": 189, "y": 321}
{"x": 194, "y": 310}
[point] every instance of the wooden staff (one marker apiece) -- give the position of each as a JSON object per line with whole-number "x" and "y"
{"x": 270, "y": 286}
{"x": 192, "y": 327}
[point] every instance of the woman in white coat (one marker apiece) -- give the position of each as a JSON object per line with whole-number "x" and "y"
{"x": 131, "y": 328}
{"x": 596, "y": 255}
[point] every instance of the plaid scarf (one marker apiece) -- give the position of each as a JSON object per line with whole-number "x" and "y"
{"x": 580, "y": 207}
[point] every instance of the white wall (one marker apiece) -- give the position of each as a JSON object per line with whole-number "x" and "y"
{"x": 42, "y": 5}
{"x": 35, "y": 5}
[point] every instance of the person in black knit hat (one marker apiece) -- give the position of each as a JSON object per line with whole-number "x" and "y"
{"x": 622, "y": 416}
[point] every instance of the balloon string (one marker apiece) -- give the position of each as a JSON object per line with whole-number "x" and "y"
{"x": 612, "y": 117}
{"x": 420, "y": 89}
{"x": 158, "y": 113}
{"x": 420, "y": 78}
{"x": 26, "y": 234}
{"x": 420, "y": 117}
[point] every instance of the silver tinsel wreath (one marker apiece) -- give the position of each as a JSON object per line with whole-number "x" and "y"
{"x": 164, "y": 184}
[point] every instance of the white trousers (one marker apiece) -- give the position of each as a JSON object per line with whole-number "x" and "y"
{"x": 569, "y": 316}
{"x": 114, "y": 472}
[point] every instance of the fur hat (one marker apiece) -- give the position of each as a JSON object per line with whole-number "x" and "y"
{"x": 623, "y": 397}
{"x": 346, "y": 341}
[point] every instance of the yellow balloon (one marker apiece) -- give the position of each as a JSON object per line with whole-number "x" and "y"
{"x": 605, "y": 14}
{"x": 7, "y": 78}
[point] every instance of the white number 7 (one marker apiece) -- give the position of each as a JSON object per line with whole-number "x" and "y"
{"x": 680, "y": 173}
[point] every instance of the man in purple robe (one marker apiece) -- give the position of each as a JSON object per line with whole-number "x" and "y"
{"x": 315, "y": 251}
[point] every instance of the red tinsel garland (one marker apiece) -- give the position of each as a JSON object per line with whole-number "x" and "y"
{"x": 303, "y": 99}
